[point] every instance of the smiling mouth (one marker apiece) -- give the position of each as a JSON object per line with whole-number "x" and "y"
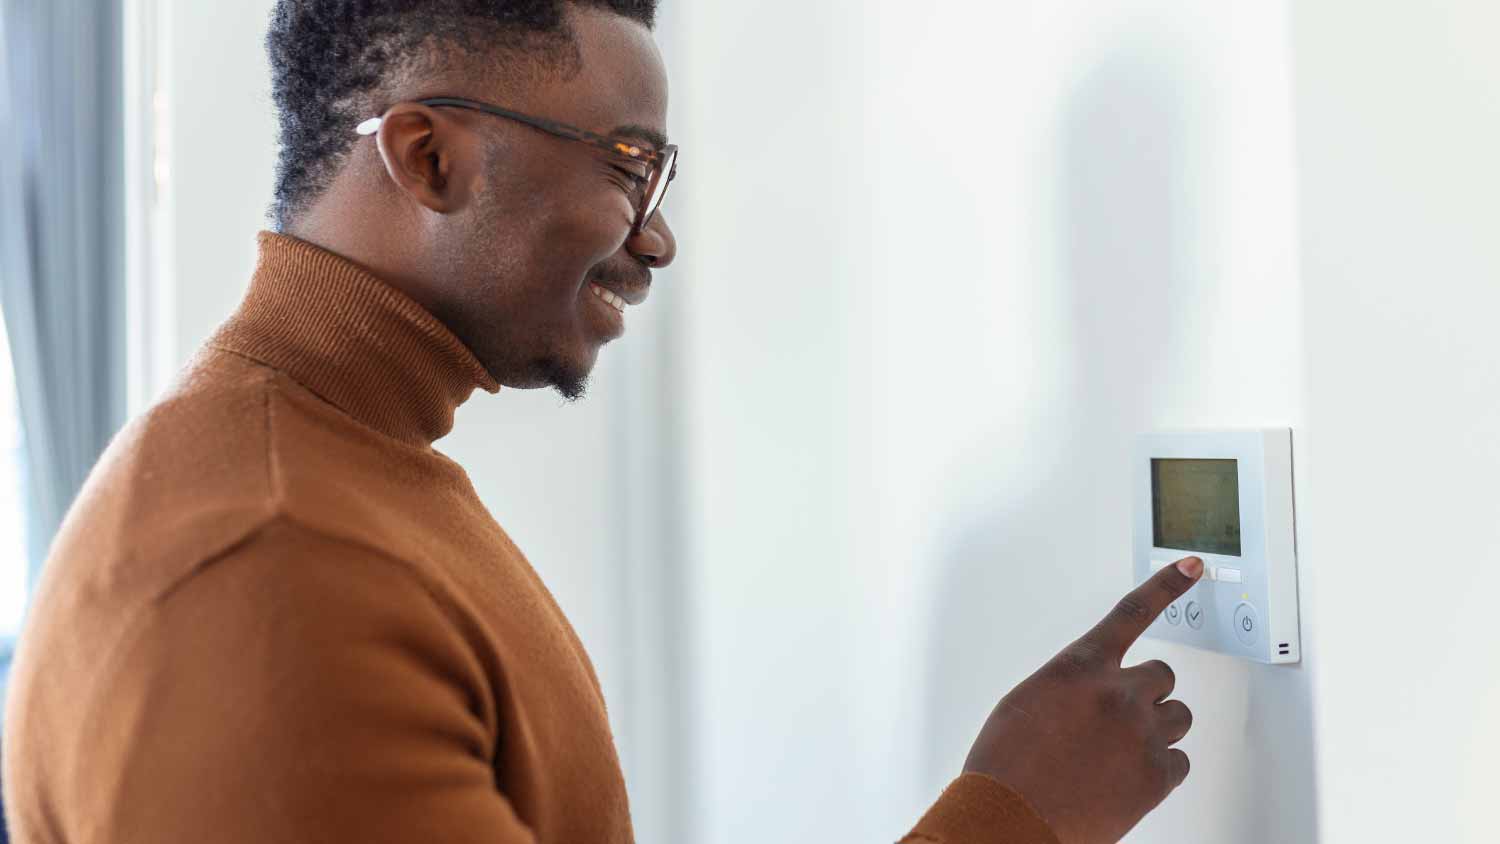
{"x": 608, "y": 298}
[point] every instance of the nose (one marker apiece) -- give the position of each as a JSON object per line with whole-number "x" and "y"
{"x": 655, "y": 246}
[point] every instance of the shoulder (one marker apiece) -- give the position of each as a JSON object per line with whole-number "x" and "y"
{"x": 239, "y": 456}
{"x": 293, "y": 572}
{"x": 299, "y": 666}
{"x": 290, "y": 604}
{"x": 180, "y": 483}
{"x": 233, "y": 446}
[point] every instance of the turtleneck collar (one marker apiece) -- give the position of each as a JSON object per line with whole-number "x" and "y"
{"x": 355, "y": 341}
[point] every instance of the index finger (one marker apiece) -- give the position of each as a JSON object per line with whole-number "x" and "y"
{"x": 1135, "y": 612}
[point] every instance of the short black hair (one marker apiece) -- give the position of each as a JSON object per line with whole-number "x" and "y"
{"x": 334, "y": 61}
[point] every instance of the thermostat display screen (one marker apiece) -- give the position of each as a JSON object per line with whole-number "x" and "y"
{"x": 1196, "y": 505}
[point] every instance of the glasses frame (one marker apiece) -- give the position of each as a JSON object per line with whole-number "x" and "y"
{"x": 659, "y": 161}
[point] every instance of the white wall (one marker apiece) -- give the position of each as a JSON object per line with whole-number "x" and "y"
{"x": 768, "y": 113}
{"x": 219, "y": 138}
{"x": 1398, "y": 127}
{"x": 951, "y": 259}
{"x": 1110, "y": 249}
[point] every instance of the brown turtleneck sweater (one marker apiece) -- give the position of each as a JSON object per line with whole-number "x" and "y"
{"x": 276, "y": 613}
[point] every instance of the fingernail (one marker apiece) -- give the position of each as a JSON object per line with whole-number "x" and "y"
{"x": 1191, "y": 566}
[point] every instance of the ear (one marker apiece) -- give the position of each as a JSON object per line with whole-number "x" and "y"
{"x": 425, "y": 153}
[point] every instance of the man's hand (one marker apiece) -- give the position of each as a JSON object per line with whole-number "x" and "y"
{"x": 1087, "y": 742}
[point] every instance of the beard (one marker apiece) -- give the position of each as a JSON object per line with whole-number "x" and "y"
{"x": 569, "y": 383}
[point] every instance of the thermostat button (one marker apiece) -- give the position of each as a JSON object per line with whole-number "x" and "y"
{"x": 1158, "y": 565}
{"x": 1228, "y": 575}
{"x": 1195, "y": 615}
{"x": 1246, "y": 624}
{"x": 1173, "y": 615}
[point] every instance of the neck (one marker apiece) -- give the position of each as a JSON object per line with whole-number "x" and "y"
{"x": 361, "y": 230}
{"x": 353, "y": 340}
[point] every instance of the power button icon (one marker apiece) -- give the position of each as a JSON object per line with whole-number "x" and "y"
{"x": 1246, "y": 624}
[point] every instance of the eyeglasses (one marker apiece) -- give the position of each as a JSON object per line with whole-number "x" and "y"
{"x": 661, "y": 164}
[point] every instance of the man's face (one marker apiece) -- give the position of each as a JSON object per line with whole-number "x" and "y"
{"x": 551, "y": 218}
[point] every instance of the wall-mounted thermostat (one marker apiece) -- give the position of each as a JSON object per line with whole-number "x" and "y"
{"x": 1226, "y": 497}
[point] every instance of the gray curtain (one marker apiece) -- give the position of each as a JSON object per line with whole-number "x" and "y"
{"x": 62, "y": 240}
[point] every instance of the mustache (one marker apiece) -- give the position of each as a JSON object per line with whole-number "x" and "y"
{"x": 628, "y": 278}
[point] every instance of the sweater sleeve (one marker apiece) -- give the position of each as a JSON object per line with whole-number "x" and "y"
{"x": 976, "y": 809}
{"x": 298, "y": 689}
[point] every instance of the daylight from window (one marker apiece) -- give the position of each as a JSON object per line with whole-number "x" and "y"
{"x": 12, "y": 502}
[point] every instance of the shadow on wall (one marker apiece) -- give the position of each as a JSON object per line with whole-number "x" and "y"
{"x": 1033, "y": 567}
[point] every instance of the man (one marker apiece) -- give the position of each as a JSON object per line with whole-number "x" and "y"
{"x": 275, "y": 613}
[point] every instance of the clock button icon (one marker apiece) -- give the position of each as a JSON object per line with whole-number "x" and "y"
{"x": 1173, "y": 615}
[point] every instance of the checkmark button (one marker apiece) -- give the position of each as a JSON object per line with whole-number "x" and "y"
{"x": 1195, "y": 615}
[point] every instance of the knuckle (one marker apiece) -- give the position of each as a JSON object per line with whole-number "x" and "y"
{"x": 1168, "y": 676}
{"x": 1133, "y": 610}
{"x": 1174, "y": 720}
{"x": 1184, "y": 767}
{"x": 1114, "y": 700}
{"x": 1167, "y": 770}
{"x": 1068, "y": 664}
{"x": 1078, "y": 658}
{"x": 1172, "y": 587}
{"x": 1167, "y": 671}
{"x": 1088, "y": 650}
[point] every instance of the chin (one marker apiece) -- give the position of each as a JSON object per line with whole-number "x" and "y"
{"x": 570, "y": 378}
{"x": 571, "y": 389}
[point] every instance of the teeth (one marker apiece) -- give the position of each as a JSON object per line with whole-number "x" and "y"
{"x": 611, "y": 299}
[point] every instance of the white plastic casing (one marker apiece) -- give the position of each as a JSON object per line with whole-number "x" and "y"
{"x": 1266, "y": 592}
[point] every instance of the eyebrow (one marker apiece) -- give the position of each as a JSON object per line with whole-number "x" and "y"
{"x": 645, "y": 133}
